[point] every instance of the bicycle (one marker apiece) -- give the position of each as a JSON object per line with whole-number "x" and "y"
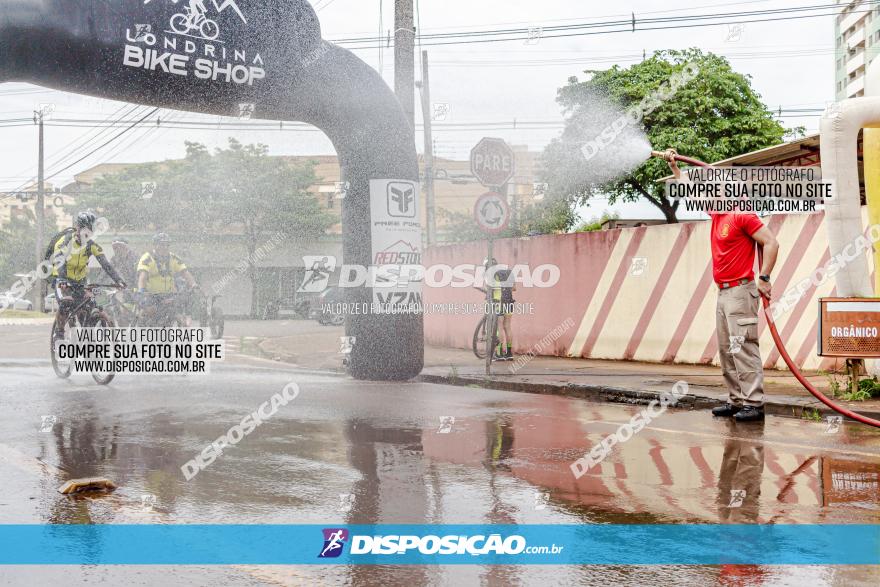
{"x": 88, "y": 314}
{"x": 122, "y": 312}
{"x": 211, "y": 315}
{"x": 480, "y": 344}
{"x": 183, "y": 23}
{"x": 166, "y": 311}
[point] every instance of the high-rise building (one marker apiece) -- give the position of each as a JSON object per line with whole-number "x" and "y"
{"x": 857, "y": 41}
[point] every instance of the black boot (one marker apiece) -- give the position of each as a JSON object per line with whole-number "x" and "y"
{"x": 726, "y": 411}
{"x": 750, "y": 414}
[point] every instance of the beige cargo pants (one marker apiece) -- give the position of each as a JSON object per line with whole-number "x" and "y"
{"x": 737, "y": 324}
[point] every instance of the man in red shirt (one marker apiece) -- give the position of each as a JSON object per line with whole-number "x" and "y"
{"x": 733, "y": 261}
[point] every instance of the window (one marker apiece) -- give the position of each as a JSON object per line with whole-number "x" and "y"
{"x": 330, "y": 199}
{"x": 839, "y": 64}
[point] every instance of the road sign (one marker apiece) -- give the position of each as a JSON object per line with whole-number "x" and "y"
{"x": 492, "y": 162}
{"x": 492, "y": 213}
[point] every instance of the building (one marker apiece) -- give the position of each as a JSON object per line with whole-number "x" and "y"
{"x": 217, "y": 260}
{"x": 856, "y": 41}
{"x": 20, "y": 204}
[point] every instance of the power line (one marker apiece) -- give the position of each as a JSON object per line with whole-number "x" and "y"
{"x": 618, "y": 26}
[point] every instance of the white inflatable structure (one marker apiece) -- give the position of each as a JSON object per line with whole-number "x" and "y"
{"x": 840, "y": 127}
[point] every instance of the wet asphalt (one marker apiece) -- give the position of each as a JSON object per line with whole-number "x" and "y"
{"x": 348, "y": 452}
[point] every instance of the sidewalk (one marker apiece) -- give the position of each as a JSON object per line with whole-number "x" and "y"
{"x": 609, "y": 381}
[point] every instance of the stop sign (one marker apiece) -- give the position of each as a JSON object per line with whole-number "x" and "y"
{"x": 492, "y": 162}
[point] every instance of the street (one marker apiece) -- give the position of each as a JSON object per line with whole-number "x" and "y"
{"x": 349, "y": 452}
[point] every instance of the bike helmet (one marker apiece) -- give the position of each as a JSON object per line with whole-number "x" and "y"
{"x": 489, "y": 262}
{"x": 161, "y": 239}
{"x": 86, "y": 219}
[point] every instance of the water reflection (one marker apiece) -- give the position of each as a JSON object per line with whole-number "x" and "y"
{"x": 739, "y": 482}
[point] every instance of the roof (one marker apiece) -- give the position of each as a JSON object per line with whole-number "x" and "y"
{"x": 801, "y": 152}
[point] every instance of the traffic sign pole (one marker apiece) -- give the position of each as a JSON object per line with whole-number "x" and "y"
{"x": 493, "y": 164}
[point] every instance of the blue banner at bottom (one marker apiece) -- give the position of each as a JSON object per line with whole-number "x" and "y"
{"x": 440, "y": 544}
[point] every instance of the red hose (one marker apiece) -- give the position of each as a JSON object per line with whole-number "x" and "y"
{"x": 778, "y": 340}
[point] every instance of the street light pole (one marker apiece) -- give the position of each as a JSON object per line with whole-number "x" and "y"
{"x": 404, "y": 58}
{"x": 39, "y": 212}
{"x": 425, "y": 87}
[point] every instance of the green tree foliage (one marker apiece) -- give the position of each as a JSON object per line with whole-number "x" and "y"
{"x": 17, "y": 253}
{"x": 595, "y": 224}
{"x": 550, "y": 218}
{"x": 236, "y": 190}
{"x": 714, "y": 116}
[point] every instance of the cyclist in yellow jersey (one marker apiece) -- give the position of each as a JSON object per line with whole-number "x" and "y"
{"x": 70, "y": 260}
{"x": 158, "y": 269}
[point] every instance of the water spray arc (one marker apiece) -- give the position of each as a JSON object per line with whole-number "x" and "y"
{"x": 671, "y": 155}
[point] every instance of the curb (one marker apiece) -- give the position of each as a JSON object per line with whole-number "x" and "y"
{"x": 626, "y": 395}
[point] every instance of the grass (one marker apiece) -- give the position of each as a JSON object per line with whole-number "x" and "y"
{"x": 812, "y": 415}
{"x": 868, "y": 388}
{"x": 23, "y": 314}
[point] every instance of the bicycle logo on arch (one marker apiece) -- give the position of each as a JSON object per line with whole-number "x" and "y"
{"x": 194, "y": 20}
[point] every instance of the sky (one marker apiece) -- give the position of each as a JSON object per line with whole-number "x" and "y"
{"x": 790, "y": 62}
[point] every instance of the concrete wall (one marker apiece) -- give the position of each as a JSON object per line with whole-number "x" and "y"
{"x": 666, "y": 313}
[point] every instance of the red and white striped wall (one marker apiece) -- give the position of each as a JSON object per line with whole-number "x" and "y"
{"x": 662, "y": 313}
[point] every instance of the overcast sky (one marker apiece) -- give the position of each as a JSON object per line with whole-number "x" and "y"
{"x": 791, "y": 63}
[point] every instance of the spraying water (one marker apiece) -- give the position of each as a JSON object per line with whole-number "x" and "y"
{"x": 602, "y": 143}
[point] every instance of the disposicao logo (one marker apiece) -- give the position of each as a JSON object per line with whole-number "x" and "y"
{"x": 334, "y": 542}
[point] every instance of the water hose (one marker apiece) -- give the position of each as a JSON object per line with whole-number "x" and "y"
{"x": 671, "y": 156}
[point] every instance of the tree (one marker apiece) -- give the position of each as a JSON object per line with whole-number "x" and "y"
{"x": 714, "y": 116}
{"x": 596, "y": 224}
{"x": 17, "y": 242}
{"x": 237, "y": 190}
{"x": 553, "y": 218}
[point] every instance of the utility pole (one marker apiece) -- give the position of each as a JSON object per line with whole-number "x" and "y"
{"x": 404, "y": 58}
{"x": 39, "y": 213}
{"x": 425, "y": 87}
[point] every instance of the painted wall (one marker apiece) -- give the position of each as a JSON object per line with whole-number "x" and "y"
{"x": 664, "y": 313}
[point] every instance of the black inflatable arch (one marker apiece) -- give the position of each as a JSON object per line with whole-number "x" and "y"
{"x": 268, "y": 53}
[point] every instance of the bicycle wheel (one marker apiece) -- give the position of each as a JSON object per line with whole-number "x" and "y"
{"x": 210, "y": 30}
{"x": 101, "y": 320}
{"x": 479, "y": 341}
{"x": 218, "y": 323}
{"x": 62, "y": 367}
{"x": 491, "y": 326}
{"x": 180, "y": 24}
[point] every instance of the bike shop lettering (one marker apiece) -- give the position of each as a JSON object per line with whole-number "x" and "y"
{"x": 188, "y": 47}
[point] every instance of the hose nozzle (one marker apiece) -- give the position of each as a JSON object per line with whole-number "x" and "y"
{"x": 669, "y": 154}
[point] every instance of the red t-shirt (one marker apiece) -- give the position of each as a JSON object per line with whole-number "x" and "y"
{"x": 733, "y": 248}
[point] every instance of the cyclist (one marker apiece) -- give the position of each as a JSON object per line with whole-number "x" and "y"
{"x": 197, "y": 10}
{"x": 503, "y": 304}
{"x": 125, "y": 260}
{"x": 71, "y": 269}
{"x": 157, "y": 271}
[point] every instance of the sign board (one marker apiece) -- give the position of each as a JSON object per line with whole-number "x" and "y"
{"x": 849, "y": 328}
{"x": 492, "y": 213}
{"x": 492, "y": 162}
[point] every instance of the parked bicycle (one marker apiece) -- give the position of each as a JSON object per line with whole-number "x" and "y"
{"x": 488, "y": 323}
{"x": 210, "y": 315}
{"x": 88, "y": 314}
